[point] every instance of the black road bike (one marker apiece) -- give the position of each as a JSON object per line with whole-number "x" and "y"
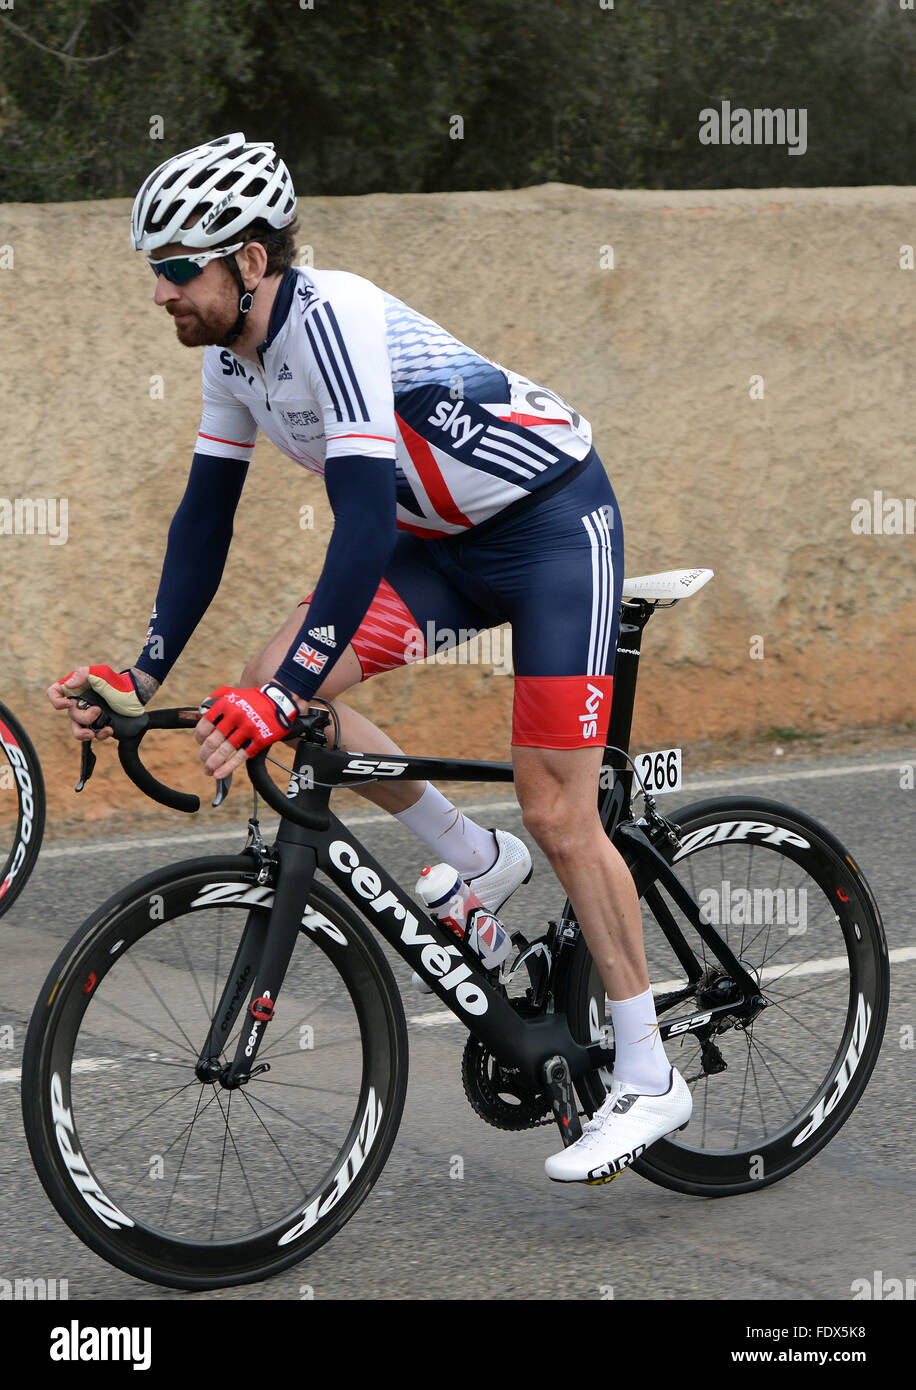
{"x": 22, "y": 808}
{"x": 216, "y": 1066}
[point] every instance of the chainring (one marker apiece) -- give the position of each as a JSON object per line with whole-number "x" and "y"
{"x": 487, "y": 1084}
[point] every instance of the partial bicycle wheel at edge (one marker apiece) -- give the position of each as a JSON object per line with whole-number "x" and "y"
{"x": 22, "y": 808}
{"x": 796, "y": 910}
{"x": 189, "y": 1185}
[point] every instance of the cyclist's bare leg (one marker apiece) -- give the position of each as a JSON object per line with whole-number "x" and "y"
{"x": 557, "y": 790}
{"x": 356, "y": 731}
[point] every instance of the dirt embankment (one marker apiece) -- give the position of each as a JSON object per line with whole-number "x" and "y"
{"x": 744, "y": 358}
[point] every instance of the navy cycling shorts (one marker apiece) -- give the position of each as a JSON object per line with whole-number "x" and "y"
{"x": 554, "y": 571}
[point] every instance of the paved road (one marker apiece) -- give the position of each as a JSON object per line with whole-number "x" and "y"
{"x": 502, "y": 1230}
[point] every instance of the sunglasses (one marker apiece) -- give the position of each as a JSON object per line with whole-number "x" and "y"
{"x": 178, "y": 270}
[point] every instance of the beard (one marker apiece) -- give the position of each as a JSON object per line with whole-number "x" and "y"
{"x": 199, "y": 329}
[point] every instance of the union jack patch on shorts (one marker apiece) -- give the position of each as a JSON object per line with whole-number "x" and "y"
{"x": 308, "y": 657}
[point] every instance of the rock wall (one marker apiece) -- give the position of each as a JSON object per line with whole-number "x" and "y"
{"x": 745, "y": 360}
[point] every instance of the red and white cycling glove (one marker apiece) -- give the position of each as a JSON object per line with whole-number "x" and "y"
{"x": 251, "y": 719}
{"x": 115, "y": 687}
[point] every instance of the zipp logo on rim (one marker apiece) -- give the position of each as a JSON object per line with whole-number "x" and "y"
{"x": 840, "y": 1082}
{"x": 345, "y": 1176}
{"x": 86, "y": 1185}
{"x": 731, "y": 830}
{"x": 27, "y": 806}
{"x": 432, "y": 960}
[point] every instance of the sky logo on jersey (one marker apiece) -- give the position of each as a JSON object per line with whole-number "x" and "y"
{"x": 448, "y": 416}
{"x": 312, "y": 661}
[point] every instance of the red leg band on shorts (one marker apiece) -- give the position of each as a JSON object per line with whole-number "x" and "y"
{"x": 388, "y": 636}
{"x": 561, "y": 711}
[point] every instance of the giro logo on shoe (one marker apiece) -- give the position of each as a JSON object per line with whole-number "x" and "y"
{"x": 86, "y": 1185}
{"x": 840, "y": 1082}
{"x": 346, "y": 1174}
{"x": 615, "y": 1165}
{"x": 588, "y": 721}
{"x": 732, "y": 830}
{"x": 17, "y": 758}
{"x": 429, "y": 958}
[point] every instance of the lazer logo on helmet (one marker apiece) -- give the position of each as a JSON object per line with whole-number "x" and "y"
{"x": 214, "y": 212}
{"x": 432, "y": 960}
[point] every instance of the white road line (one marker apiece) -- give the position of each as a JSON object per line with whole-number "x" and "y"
{"x": 830, "y": 965}
{"x": 117, "y": 845}
{"x": 87, "y": 1064}
{"x": 899, "y": 956}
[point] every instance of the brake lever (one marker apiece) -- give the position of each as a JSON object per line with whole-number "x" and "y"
{"x": 87, "y": 763}
{"x": 222, "y": 790}
{"x": 87, "y": 755}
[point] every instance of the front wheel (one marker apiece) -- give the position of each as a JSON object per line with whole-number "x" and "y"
{"x": 768, "y": 1091}
{"x": 184, "y": 1183}
{"x": 22, "y": 808}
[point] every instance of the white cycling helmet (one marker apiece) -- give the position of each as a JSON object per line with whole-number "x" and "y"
{"x": 208, "y": 195}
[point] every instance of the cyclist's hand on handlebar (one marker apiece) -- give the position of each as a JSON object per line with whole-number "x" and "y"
{"x": 117, "y": 688}
{"x": 236, "y": 724}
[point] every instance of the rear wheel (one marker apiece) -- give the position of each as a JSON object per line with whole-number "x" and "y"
{"x": 768, "y": 1091}
{"x": 187, "y": 1184}
{"x": 22, "y": 808}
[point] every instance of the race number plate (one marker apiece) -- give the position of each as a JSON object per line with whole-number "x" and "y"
{"x": 660, "y": 772}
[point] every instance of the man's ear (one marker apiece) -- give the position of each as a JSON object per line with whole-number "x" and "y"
{"x": 252, "y": 260}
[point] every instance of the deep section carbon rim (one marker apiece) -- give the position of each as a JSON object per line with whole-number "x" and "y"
{"x": 189, "y": 1184}
{"x": 22, "y": 808}
{"x": 794, "y": 908}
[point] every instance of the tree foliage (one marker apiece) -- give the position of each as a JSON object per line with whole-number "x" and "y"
{"x": 411, "y": 96}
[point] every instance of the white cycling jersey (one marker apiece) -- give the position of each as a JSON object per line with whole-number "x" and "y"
{"x": 348, "y": 369}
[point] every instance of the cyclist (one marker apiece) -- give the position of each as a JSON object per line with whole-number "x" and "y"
{"x": 464, "y": 496}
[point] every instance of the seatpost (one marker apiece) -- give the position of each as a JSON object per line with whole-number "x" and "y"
{"x": 634, "y": 616}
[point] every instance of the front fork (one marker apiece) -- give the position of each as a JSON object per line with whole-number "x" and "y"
{"x": 258, "y": 971}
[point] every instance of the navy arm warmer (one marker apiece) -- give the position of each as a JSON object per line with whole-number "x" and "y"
{"x": 361, "y": 492}
{"x": 195, "y": 558}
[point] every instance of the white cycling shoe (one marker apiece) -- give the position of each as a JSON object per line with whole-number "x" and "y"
{"x": 511, "y": 870}
{"x": 620, "y": 1131}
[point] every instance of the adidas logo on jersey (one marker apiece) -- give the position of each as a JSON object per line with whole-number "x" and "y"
{"x": 284, "y": 373}
{"x": 323, "y": 634}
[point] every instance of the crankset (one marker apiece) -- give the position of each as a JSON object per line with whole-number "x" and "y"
{"x": 497, "y": 1093}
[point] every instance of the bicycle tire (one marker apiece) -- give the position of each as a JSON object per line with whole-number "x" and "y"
{"x": 20, "y": 771}
{"x": 717, "y": 1169}
{"x": 76, "y": 1079}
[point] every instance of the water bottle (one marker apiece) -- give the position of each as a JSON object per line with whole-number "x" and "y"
{"x": 458, "y": 907}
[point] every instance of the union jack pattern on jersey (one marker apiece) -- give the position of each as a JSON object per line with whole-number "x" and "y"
{"x": 348, "y": 369}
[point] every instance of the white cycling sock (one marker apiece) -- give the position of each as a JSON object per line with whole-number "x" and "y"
{"x": 450, "y": 835}
{"x": 639, "y": 1057}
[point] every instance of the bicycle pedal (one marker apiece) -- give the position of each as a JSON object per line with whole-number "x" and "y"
{"x": 600, "y": 1182}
